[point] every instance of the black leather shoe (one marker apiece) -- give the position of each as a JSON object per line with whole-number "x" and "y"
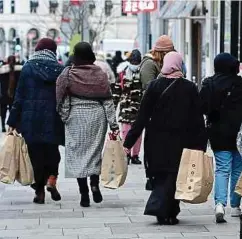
{"x": 129, "y": 158}
{"x": 135, "y": 160}
{"x": 97, "y": 196}
{"x": 39, "y": 198}
{"x": 85, "y": 200}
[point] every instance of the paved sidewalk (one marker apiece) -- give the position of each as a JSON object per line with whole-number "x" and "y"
{"x": 120, "y": 216}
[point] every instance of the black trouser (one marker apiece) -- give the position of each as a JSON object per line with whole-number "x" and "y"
{"x": 82, "y": 182}
{"x": 4, "y": 109}
{"x": 45, "y": 159}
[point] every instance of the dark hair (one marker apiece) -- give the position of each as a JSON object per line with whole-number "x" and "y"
{"x": 226, "y": 63}
{"x": 83, "y": 54}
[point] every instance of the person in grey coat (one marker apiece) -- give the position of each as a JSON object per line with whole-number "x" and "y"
{"x": 91, "y": 109}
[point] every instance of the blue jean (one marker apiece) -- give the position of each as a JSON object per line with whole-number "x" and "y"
{"x": 228, "y": 166}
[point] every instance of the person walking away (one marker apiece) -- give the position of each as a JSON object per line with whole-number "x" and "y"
{"x": 34, "y": 115}
{"x": 221, "y": 97}
{"x": 128, "y": 92}
{"x": 171, "y": 116}
{"x": 121, "y": 67}
{"x": 117, "y": 59}
{"x": 109, "y": 60}
{"x": 152, "y": 62}
{"x": 9, "y": 76}
{"x": 102, "y": 63}
{"x": 91, "y": 107}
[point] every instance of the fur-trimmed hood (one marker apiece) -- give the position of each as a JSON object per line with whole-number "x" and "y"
{"x": 6, "y": 68}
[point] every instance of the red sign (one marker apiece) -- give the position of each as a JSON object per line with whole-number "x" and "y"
{"x": 136, "y": 6}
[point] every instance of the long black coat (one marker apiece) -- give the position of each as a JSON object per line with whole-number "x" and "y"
{"x": 171, "y": 123}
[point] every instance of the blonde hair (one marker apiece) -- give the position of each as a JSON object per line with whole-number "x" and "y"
{"x": 158, "y": 56}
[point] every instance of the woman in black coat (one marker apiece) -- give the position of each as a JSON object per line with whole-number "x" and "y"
{"x": 170, "y": 114}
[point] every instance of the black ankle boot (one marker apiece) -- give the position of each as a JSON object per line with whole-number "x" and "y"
{"x": 97, "y": 196}
{"x": 39, "y": 197}
{"x": 135, "y": 160}
{"x": 4, "y": 129}
{"x": 129, "y": 159}
{"x": 85, "y": 200}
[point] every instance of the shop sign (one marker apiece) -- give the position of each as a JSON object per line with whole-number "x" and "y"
{"x": 136, "y": 6}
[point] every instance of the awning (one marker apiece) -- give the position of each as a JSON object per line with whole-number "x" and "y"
{"x": 164, "y": 8}
{"x": 188, "y": 9}
{"x": 177, "y": 9}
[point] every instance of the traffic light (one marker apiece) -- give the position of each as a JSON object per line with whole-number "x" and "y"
{"x": 108, "y": 8}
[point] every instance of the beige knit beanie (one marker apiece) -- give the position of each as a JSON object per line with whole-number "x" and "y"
{"x": 164, "y": 44}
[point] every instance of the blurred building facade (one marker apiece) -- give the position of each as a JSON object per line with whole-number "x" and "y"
{"x": 200, "y": 30}
{"x": 24, "y": 22}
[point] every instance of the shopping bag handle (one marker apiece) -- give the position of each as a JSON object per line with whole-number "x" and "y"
{"x": 14, "y": 133}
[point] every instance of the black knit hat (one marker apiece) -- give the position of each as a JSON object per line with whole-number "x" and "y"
{"x": 135, "y": 57}
{"x": 83, "y": 54}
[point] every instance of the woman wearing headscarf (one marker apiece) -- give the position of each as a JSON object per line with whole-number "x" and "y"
{"x": 153, "y": 61}
{"x": 128, "y": 92}
{"x": 91, "y": 109}
{"x": 221, "y": 97}
{"x": 34, "y": 115}
{"x": 170, "y": 114}
{"x": 9, "y": 76}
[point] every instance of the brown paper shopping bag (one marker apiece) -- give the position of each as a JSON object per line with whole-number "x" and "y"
{"x": 25, "y": 174}
{"x": 238, "y": 187}
{"x": 114, "y": 165}
{"x": 195, "y": 177}
{"x": 9, "y": 158}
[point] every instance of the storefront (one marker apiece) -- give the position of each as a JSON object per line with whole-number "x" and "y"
{"x": 231, "y": 27}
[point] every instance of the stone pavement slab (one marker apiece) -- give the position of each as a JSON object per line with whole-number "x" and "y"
{"x": 120, "y": 216}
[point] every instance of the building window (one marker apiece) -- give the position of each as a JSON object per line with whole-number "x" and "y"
{"x": 34, "y": 4}
{"x": 1, "y": 6}
{"x": 12, "y": 6}
{"x": 53, "y": 6}
{"x": 108, "y": 7}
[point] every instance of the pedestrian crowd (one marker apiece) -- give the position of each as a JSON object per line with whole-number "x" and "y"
{"x": 75, "y": 106}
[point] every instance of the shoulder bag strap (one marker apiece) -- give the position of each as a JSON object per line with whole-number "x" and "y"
{"x": 163, "y": 93}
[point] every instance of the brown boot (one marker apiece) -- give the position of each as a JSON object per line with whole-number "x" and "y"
{"x": 39, "y": 197}
{"x": 51, "y": 187}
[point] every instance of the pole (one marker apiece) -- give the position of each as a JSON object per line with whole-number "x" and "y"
{"x": 240, "y": 56}
{"x": 222, "y": 25}
{"x": 234, "y": 28}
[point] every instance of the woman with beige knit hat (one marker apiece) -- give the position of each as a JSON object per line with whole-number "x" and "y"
{"x": 152, "y": 62}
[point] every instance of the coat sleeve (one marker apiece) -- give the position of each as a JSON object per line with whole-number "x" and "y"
{"x": 199, "y": 137}
{"x": 148, "y": 72}
{"x": 61, "y": 87}
{"x": 110, "y": 114}
{"x": 205, "y": 97}
{"x": 15, "y": 113}
{"x": 143, "y": 117}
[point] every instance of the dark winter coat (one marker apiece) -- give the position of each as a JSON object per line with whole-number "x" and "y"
{"x": 222, "y": 104}
{"x": 8, "y": 87}
{"x": 34, "y": 109}
{"x": 171, "y": 123}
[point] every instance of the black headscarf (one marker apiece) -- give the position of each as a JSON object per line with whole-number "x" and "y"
{"x": 83, "y": 54}
{"x": 225, "y": 63}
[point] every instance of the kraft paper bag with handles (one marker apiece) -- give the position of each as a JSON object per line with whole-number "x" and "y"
{"x": 114, "y": 165}
{"x": 9, "y": 158}
{"x": 195, "y": 177}
{"x": 25, "y": 174}
{"x": 238, "y": 187}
